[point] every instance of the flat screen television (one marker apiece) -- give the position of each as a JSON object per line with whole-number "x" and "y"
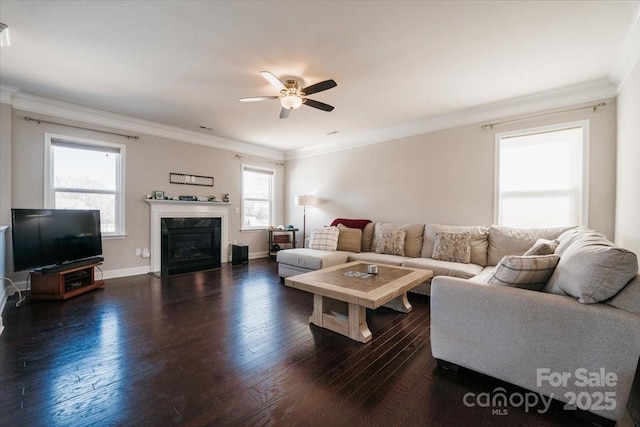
{"x": 54, "y": 239}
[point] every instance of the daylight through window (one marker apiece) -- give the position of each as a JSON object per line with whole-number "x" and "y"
{"x": 257, "y": 197}
{"x": 540, "y": 181}
{"x": 87, "y": 175}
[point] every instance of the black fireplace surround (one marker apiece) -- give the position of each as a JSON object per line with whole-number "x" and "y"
{"x": 189, "y": 244}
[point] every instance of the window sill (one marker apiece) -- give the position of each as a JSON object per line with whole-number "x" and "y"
{"x": 242, "y": 230}
{"x": 113, "y": 236}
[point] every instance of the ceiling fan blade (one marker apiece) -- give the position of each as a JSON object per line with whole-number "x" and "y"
{"x": 284, "y": 113}
{"x": 319, "y": 87}
{"x": 273, "y": 80}
{"x": 319, "y": 105}
{"x": 258, "y": 98}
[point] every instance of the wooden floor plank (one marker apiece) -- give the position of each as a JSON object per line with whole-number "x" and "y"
{"x": 226, "y": 347}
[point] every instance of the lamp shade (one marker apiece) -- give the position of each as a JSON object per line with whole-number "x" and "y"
{"x": 291, "y": 102}
{"x": 304, "y": 200}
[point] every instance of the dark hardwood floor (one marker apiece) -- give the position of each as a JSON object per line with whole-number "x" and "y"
{"x": 229, "y": 347}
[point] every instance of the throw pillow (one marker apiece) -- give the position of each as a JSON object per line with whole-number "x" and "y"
{"x": 542, "y": 247}
{"x": 526, "y": 272}
{"x": 325, "y": 239}
{"x": 389, "y": 242}
{"x": 454, "y": 247}
{"x": 349, "y": 239}
{"x": 593, "y": 269}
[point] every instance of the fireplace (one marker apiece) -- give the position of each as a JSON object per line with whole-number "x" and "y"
{"x": 161, "y": 209}
{"x": 189, "y": 244}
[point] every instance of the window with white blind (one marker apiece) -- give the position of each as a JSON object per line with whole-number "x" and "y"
{"x": 541, "y": 176}
{"x": 258, "y": 195}
{"x": 86, "y": 174}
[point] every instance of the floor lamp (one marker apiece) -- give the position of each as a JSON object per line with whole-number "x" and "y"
{"x": 305, "y": 201}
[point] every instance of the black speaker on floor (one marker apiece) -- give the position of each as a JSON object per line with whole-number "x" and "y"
{"x": 239, "y": 254}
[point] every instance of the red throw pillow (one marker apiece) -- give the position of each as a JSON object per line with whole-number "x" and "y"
{"x": 351, "y": 223}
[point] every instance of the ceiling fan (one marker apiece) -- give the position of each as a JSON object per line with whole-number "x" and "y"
{"x": 292, "y": 96}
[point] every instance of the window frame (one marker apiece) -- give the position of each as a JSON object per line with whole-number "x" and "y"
{"x": 272, "y": 197}
{"x": 49, "y": 188}
{"x": 584, "y": 193}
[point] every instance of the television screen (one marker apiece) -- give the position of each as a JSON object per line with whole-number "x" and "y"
{"x": 53, "y": 237}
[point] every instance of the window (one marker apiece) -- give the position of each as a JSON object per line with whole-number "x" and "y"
{"x": 86, "y": 174}
{"x": 257, "y": 197}
{"x": 541, "y": 176}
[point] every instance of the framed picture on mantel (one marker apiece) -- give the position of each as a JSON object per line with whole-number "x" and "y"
{"x": 158, "y": 195}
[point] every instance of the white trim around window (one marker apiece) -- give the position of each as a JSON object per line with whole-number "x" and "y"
{"x": 542, "y": 167}
{"x": 270, "y": 199}
{"x": 52, "y": 140}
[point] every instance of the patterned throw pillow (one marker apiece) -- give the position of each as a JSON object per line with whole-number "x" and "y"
{"x": 526, "y": 272}
{"x": 349, "y": 239}
{"x": 454, "y": 247}
{"x": 389, "y": 242}
{"x": 325, "y": 239}
{"x": 542, "y": 247}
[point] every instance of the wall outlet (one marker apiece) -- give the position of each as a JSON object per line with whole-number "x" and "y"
{"x": 138, "y": 251}
{"x": 237, "y": 210}
{"x": 145, "y": 253}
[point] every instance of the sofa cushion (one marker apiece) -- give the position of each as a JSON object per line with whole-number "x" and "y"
{"x": 444, "y": 268}
{"x": 375, "y": 258}
{"x": 526, "y": 272}
{"x": 542, "y": 247}
{"x": 516, "y": 241}
{"x": 454, "y": 247}
{"x": 367, "y": 237}
{"x": 629, "y": 297}
{"x": 568, "y": 237}
{"x": 349, "y": 239}
{"x": 479, "y": 240}
{"x": 324, "y": 239}
{"x": 483, "y": 276}
{"x": 312, "y": 259}
{"x": 389, "y": 242}
{"x": 593, "y": 269}
{"x": 413, "y": 236}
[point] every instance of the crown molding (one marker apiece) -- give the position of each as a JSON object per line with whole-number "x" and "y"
{"x": 628, "y": 55}
{"x": 65, "y": 110}
{"x": 549, "y": 100}
{"x": 559, "y": 98}
{"x": 7, "y": 93}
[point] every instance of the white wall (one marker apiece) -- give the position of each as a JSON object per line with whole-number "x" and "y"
{"x": 628, "y": 171}
{"x": 149, "y": 161}
{"x": 5, "y": 200}
{"x": 440, "y": 177}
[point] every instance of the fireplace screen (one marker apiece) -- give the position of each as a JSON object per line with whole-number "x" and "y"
{"x": 190, "y": 244}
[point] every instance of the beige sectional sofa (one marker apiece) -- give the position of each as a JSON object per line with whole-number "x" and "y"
{"x": 584, "y": 322}
{"x": 488, "y": 245}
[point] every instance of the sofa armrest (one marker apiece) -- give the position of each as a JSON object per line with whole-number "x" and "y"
{"x": 511, "y": 333}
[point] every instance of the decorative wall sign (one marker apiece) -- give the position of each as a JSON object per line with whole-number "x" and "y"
{"x": 185, "y": 179}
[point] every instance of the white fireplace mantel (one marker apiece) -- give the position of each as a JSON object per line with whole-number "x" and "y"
{"x": 184, "y": 209}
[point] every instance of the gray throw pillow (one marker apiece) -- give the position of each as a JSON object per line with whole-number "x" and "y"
{"x": 593, "y": 269}
{"x": 526, "y": 272}
{"x": 542, "y": 247}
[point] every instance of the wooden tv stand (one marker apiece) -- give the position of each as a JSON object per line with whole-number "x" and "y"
{"x": 64, "y": 284}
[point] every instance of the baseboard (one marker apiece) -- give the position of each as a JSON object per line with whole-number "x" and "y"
{"x": 254, "y": 255}
{"x": 124, "y": 272}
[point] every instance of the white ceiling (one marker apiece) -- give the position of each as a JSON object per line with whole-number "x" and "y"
{"x": 186, "y": 63}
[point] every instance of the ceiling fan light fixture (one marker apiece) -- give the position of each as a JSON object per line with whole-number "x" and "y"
{"x": 291, "y": 102}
